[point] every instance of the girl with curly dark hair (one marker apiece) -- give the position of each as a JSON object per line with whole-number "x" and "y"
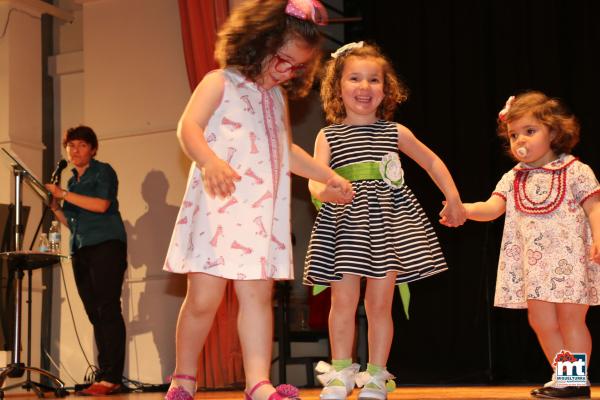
{"x": 234, "y": 221}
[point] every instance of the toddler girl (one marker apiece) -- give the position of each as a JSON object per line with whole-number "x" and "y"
{"x": 551, "y": 243}
{"x": 383, "y": 235}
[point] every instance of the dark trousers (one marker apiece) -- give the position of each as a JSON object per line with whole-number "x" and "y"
{"x": 99, "y": 271}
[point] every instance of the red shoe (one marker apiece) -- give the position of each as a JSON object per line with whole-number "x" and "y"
{"x": 97, "y": 389}
{"x": 283, "y": 391}
{"x": 178, "y": 392}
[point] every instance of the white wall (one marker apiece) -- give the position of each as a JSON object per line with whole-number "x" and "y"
{"x": 120, "y": 70}
{"x": 20, "y": 130}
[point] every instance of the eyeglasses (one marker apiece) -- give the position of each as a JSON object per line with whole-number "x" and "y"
{"x": 282, "y": 66}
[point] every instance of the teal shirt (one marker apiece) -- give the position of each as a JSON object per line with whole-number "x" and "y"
{"x": 88, "y": 227}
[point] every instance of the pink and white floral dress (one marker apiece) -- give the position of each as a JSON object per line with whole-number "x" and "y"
{"x": 246, "y": 236}
{"x": 547, "y": 237}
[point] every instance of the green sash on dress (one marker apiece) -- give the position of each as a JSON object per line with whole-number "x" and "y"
{"x": 364, "y": 171}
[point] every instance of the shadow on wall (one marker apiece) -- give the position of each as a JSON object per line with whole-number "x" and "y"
{"x": 158, "y": 294}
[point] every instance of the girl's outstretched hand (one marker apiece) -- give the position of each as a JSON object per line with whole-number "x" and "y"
{"x": 339, "y": 190}
{"x": 453, "y": 214}
{"x": 219, "y": 178}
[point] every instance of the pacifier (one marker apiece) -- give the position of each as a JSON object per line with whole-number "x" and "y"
{"x": 522, "y": 152}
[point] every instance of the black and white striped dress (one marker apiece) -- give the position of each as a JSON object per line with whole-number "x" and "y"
{"x": 382, "y": 230}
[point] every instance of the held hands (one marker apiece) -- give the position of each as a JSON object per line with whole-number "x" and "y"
{"x": 453, "y": 214}
{"x": 338, "y": 190}
{"x": 219, "y": 178}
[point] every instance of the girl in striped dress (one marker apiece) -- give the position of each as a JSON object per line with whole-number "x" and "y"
{"x": 383, "y": 235}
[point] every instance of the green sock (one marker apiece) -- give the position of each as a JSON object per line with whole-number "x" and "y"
{"x": 339, "y": 365}
{"x": 373, "y": 369}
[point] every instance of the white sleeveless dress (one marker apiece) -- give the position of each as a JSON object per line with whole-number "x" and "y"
{"x": 246, "y": 236}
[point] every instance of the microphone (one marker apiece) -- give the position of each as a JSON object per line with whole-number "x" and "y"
{"x": 62, "y": 164}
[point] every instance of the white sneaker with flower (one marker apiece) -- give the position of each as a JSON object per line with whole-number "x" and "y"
{"x": 375, "y": 387}
{"x": 337, "y": 384}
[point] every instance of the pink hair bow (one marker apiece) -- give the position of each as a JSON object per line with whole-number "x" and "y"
{"x": 506, "y": 109}
{"x": 307, "y": 10}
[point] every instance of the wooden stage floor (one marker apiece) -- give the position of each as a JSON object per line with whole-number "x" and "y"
{"x": 402, "y": 393}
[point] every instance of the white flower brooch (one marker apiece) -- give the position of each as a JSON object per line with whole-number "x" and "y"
{"x": 391, "y": 170}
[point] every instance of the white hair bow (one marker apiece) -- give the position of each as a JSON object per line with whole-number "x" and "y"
{"x": 506, "y": 109}
{"x": 347, "y": 47}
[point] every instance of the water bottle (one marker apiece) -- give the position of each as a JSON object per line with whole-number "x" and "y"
{"x": 43, "y": 243}
{"x": 54, "y": 238}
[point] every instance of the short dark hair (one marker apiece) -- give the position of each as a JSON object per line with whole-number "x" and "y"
{"x": 81, "y": 132}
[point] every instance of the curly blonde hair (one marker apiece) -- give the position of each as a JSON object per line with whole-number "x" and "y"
{"x": 549, "y": 111}
{"x": 255, "y": 31}
{"x": 395, "y": 92}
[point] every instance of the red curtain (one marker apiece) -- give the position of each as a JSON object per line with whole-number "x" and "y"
{"x": 221, "y": 360}
{"x": 200, "y": 21}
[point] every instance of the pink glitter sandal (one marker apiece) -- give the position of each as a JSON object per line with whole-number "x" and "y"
{"x": 178, "y": 392}
{"x": 283, "y": 391}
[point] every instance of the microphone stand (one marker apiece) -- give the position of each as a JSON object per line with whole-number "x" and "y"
{"x": 28, "y": 383}
{"x": 16, "y": 368}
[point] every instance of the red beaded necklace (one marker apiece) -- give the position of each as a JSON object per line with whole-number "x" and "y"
{"x": 523, "y": 203}
{"x": 555, "y": 194}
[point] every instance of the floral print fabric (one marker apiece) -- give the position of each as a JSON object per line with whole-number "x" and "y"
{"x": 545, "y": 246}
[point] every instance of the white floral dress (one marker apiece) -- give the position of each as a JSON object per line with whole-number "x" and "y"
{"x": 246, "y": 236}
{"x": 545, "y": 246}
